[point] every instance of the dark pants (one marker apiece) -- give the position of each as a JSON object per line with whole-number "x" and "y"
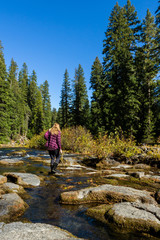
{"x": 55, "y": 156}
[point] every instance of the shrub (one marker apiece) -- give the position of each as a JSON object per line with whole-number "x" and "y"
{"x": 77, "y": 139}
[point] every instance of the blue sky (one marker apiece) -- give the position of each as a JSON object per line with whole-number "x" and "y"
{"x": 53, "y": 35}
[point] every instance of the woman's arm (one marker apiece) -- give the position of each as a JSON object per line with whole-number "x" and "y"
{"x": 46, "y": 135}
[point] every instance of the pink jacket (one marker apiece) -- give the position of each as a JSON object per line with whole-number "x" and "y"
{"x": 54, "y": 141}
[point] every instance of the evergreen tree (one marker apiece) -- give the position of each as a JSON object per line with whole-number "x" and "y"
{"x": 36, "y": 106}
{"x": 46, "y": 104}
{"x": 120, "y": 90}
{"x": 158, "y": 28}
{"x": 25, "y": 111}
{"x": 15, "y": 100}
{"x": 97, "y": 86}
{"x": 4, "y": 99}
{"x": 65, "y": 103}
{"x": 54, "y": 116}
{"x": 157, "y": 96}
{"x": 147, "y": 69}
{"x": 80, "y": 98}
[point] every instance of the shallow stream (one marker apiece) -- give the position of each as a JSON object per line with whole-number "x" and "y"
{"x": 44, "y": 204}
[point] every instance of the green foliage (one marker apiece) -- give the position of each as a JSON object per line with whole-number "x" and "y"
{"x": 115, "y": 146}
{"x": 37, "y": 141}
{"x": 65, "y": 103}
{"x": 80, "y": 106}
{"x": 46, "y": 105}
{"x": 77, "y": 139}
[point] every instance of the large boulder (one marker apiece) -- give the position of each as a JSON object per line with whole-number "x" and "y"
{"x": 33, "y": 231}
{"x": 129, "y": 216}
{"x": 24, "y": 179}
{"x": 11, "y": 206}
{"x": 106, "y": 194}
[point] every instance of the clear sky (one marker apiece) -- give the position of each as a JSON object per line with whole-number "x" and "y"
{"x": 53, "y": 35}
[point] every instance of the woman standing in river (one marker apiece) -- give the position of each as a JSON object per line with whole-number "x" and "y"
{"x": 53, "y": 137}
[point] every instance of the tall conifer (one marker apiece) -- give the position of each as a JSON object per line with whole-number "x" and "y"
{"x": 65, "y": 103}
{"x": 119, "y": 70}
{"x": 97, "y": 86}
{"x": 4, "y": 99}
{"x": 46, "y": 104}
{"x": 148, "y": 62}
{"x": 80, "y": 98}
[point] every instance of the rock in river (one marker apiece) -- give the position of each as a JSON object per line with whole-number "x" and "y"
{"x": 129, "y": 216}
{"x": 106, "y": 194}
{"x": 33, "y": 231}
{"x": 11, "y": 206}
{"x": 24, "y": 179}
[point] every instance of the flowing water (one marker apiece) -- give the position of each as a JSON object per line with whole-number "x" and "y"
{"x": 44, "y": 204}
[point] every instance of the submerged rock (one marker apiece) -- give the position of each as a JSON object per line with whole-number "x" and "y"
{"x": 24, "y": 179}
{"x": 33, "y": 231}
{"x": 11, "y": 206}
{"x": 11, "y": 161}
{"x": 12, "y": 187}
{"x": 129, "y": 216}
{"x": 106, "y": 194}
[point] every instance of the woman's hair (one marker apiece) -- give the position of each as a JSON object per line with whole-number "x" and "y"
{"x": 55, "y": 129}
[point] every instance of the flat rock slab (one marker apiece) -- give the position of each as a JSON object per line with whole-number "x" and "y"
{"x": 3, "y": 179}
{"x": 11, "y": 206}
{"x": 129, "y": 216}
{"x": 11, "y": 161}
{"x": 24, "y": 179}
{"x": 13, "y": 187}
{"x": 33, "y": 231}
{"x": 106, "y": 194}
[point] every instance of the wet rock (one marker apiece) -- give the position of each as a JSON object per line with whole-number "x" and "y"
{"x": 24, "y": 179}
{"x": 129, "y": 216}
{"x": 33, "y": 231}
{"x": 11, "y": 206}
{"x": 122, "y": 166}
{"x": 3, "y": 179}
{"x": 12, "y": 187}
{"x": 142, "y": 166}
{"x": 153, "y": 177}
{"x": 17, "y": 153}
{"x": 11, "y": 161}
{"x": 106, "y": 194}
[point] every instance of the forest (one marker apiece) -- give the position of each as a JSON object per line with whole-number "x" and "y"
{"x": 125, "y": 86}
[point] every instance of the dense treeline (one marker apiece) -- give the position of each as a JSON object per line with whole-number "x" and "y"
{"x": 125, "y": 86}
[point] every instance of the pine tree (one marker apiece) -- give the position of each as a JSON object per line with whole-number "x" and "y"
{"x": 54, "y": 116}
{"x": 122, "y": 104}
{"x": 4, "y": 99}
{"x": 148, "y": 61}
{"x": 46, "y": 104}
{"x": 80, "y": 98}
{"x": 65, "y": 103}
{"x": 158, "y": 28}
{"x": 97, "y": 86}
{"x": 157, "y": 95}
{"x": 36, "y": 106}
{"x": 25, "y": 110}
{"x": 15, "y": 100}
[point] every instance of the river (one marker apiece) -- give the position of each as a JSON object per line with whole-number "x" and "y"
{"x": 44, "y": 203}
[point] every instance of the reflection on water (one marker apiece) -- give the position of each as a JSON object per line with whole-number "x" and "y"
{"x": 45, "y": 207}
